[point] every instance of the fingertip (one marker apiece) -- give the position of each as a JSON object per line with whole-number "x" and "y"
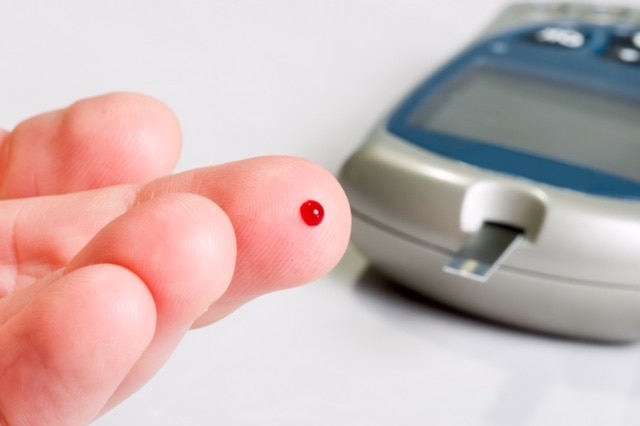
{"x": 321, "y": 243}
{"x": 73, "y": 345}
{"x": 143, "y": 133}
{"x": 263, "y": 198}
{"x": 101, "y": 141}
{"x": 182, "y": 245}
{"x": 104, "y": 302}
{"x": 323, "y": 218}
{"x": 277, "y": 249}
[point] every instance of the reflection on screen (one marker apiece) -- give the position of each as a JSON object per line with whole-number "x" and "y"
{"x": 555, "y": 121}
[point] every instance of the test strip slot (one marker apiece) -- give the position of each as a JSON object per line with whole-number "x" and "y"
{"x": 485, "y": 251}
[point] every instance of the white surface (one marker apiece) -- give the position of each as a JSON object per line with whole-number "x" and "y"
{"x": 307, "y": 78}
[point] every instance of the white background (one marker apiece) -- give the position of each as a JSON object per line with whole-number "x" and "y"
{"x": 306, "y": 78}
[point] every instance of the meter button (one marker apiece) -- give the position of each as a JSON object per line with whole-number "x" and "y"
{"x": 568, "y": 38}
{"x": 628, "y": 55}
{"x": 625, "y": 49}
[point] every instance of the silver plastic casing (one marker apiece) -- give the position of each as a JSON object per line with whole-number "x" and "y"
{"x": 528, "y": 13}
{"x": 575, "y": 273}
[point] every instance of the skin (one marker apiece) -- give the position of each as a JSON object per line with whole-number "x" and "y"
{"x": 106, "y": 260}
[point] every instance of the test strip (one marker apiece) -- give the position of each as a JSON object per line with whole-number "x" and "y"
{"x": 484, "y": 252}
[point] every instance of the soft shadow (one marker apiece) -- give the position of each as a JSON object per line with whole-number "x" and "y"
{"x": 533, "y": 364}
{"x": 383, "y": 293}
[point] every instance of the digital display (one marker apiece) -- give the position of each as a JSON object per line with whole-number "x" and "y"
{"x": 560, "y": 122}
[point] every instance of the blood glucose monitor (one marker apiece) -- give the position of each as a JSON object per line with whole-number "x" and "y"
{"x": 507, "y": 184}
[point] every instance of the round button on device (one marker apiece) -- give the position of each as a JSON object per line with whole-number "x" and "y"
{"x": 559, "y": 36}
{"x": 628, "y": 55}
{"x": 625, "y": 48}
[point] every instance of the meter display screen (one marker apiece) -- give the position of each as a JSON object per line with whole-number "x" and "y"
{"x": 545, "y": 118}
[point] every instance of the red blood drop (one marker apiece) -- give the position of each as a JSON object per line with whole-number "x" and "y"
{"x": 312, "y": 212}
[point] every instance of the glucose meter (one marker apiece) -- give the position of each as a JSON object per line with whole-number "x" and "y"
{"x": 507, "y": 184}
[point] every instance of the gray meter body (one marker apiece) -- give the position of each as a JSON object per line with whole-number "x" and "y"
{"x": 507, "y": 184}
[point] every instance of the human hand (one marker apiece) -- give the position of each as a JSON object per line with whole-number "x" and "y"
{"x": 103, "y": 269}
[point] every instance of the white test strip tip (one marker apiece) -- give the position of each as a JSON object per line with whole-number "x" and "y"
{"x": 484, "y": 252}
